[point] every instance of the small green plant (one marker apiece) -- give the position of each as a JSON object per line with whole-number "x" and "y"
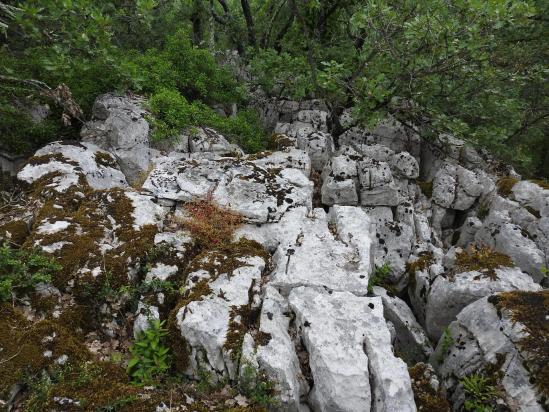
{"x": 256, "y": 386}
{"x": 150, "y": 358}
{"x": 379, "y": 275}
{"x": 446, "y": 341}
{"x": 117, "y": 404}
{"x": 20, "y": 270}
{"x": 205, "y": 382}
{"x": 38, "y": 387}
{"x": 479, "y": 393}
{"x": 545, "y": 271}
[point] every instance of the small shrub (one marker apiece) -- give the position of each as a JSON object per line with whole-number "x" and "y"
{"x": 150, "y": 358}
{"x": 20, "y": 270}
{"x": 210, "y": 225}
{"x": 479, "y": 393}
{"x": 172, "y": 113}
{"x": 256, "y": 386}
{"x": 379, "y": 275}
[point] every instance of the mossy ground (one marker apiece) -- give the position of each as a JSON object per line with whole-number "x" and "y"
{"x": 94, "y": 216}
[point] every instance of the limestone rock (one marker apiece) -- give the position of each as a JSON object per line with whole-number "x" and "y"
{"x": 501, "y": 234}
{"x": 258, "y": 194}
{"x": 447, "y": 295}
{"x": 71, "y": 163}
{"x": 316, "y": 257}
{"x": 277, "y": 357}
{"x": 406, "y": 165}
{"x": 347, "y": 340}
{"x": 209, "y": 322}
{"x": 411, "y": 340}
{"x": 319, "y": 145}
{"x": 119, "y": 126}
{"x": 205, "y": 139}
{"x": 340, "y": 181}
{"x": 490, "y": 337}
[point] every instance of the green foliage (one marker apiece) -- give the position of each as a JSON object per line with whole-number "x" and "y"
{"x": 118, "y": 404}
{"x": 379, "y": 275}
{"x": 206, "y": 382}
{"x": 172, "y": 113}
{"x": 479, "y": 393}
{"x": 150, "y": 358}
{"x": 281, "y": 74}
{"x": 20, "y": 270}
{"x": 256, "y": 386}
{"x": 446, "y": 341}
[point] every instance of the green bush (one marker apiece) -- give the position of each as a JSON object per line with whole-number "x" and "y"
{"x": 150, "y": 358}
{"x": 21, "y": 270}
{"x": 172, "y": 113}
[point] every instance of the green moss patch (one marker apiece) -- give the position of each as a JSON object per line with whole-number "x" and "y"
{"x": 505, "y": 185}
{"x": 426, "y": 187}
{"x": 482, "y": 259}
{"x": 424, "y": 260}
{"x": 28, "y": 348}
{"x": 15, "y": 232}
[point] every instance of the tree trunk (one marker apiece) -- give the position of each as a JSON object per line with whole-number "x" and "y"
{"x": 198, "y": 28}
{"x": 249, "y": 22}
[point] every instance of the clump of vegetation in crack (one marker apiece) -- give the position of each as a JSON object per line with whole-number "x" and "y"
{"x": 446, "y": 341}
{"x": 21, "y": 270}
{"x": 483, "y": 259}
{"x": 424, "y": 260}
{"x": 150, "y": 358}
{"x": 505, "y": 185}
{"x": 255, "y": 385}
{"x": 427, "y": 397}
{"x": 479, "y": 392}
{"x": 379, "y": 275}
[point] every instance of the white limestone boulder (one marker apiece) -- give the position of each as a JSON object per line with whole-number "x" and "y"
{"x": 340, "y": 181}
{"x": 319, "y": 145}
{"x": 206, "y": 322}
{"x": 448, "y": 295}
{"x": 350, "y": 354}
{"x": 500, "y": 233}
{"x": 494, "y": 337}
{"x": 277, "y": 357}
{"x": 318, "y": 257}
{"x": 405, "y": 165}
{"x": 260, "y": 195}
{"x": 69, "y": 164}
{"x": 287, "y": 158}
{"x": 377, "y": 187}
{"x": 119, "y": 126}
{"x": 455, "y": 187}
{"x": 205, "y": 139}
{"x": 411, "y": 341}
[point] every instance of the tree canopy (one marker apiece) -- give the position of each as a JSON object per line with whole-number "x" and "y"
{"x": 474, "y": 68}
